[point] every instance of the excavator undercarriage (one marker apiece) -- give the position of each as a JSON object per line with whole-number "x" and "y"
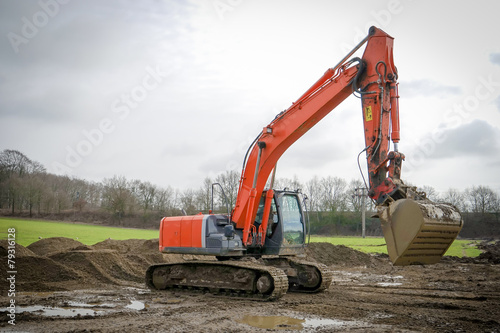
{"x": 258, "y": 279}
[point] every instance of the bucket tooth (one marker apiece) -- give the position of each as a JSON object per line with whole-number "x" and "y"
{"x": 419, "y": 232}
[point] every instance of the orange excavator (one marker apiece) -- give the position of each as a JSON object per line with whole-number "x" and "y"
{"x": 259, "y": 243}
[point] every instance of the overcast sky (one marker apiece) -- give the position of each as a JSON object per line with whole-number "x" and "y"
{"x": 174, "y": 91}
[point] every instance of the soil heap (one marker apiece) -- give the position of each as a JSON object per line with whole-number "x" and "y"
{"x": 491, "y": 251}
{"x": 66, "y": 264}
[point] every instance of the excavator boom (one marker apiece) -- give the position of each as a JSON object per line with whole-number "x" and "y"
{"x": 268, "y": 225}
{"x": 374, "y": 78}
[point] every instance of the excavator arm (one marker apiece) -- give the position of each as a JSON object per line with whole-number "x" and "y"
{"x": 374, "y": 78}
{"x": 279, "y": 135}
{"x": 378, "y": 95}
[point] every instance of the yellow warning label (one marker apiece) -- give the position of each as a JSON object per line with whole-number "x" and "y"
{"x": 368, "y": 113}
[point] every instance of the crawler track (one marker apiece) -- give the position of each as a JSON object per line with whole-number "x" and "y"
{"x": 325, "y": 274}
{"x": 303, "y": 276}
{"x": 232, "y": 279}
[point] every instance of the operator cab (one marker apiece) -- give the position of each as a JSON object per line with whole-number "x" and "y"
{"x": 286, "y": 225}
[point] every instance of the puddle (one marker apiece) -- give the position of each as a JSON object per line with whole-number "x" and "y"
{"x": 37, "y": 293}
{"x": 136, "y": 305}
{"x": 273, "y": 322}
{"x": 321, "y": 322}
{"x": 48, "y": 311}
{"x": 72, "y": 309}
{"x": 361, "y": 279}
{"x": 290, "y": 323}
{"x": 89, "y": 305}
{"x": 389, "y": 284}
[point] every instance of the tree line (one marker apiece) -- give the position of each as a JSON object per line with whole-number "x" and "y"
{"x": 334, "y": 204}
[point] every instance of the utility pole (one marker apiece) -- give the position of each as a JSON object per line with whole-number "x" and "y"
{"x": 363, "y": 208}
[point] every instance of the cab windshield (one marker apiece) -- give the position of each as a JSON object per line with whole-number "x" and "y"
{"x": 293, "y": 227}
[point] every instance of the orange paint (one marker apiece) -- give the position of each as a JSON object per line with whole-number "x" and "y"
{"x": 181, "y": 231}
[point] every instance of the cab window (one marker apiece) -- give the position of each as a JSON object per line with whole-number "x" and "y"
{"x": 293, "y": 227}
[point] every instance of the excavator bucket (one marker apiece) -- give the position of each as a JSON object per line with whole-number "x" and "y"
{"x": 419, "y": 232}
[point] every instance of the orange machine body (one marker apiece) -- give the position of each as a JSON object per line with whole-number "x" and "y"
{"x": 199, "y": 234}
{"x": 183, "y": 231}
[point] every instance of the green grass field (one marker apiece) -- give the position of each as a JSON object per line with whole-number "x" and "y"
{"x": 459, "y": 248}
{"x": 29, "y": 231}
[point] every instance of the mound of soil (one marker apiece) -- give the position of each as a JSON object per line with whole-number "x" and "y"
{"x": 20, "y": 251}
{"x": 491, "y": 252}
{"x": 48, "y": 246}
{"x": 151, "y": 245}
{"x": 123, "y": 246}
{"x": 329, "y": 254}
{"x": 103, "y": 266}
{"x": 64, "y": 264}
{"x": 38, "y": 273}
{"x": 44, "y": 269}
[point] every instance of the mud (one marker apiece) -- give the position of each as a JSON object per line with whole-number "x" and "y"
{"x": 63, "y": 285}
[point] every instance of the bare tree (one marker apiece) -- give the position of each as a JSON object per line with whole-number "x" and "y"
{"x": 204, "y": 195}
{"x": 230, "y": 183}
{"x": 13, "y": 161}
{"x": 61, "y": 189}
{"x": 333, "y": 196}
{"x": 94, "y": 194}
{"x": 188, "y": 201}
{"x": 287, "y": 183}
{"x": 31, "y": 189}
{"x": 430, "y": 192}
{"x": 164, "y": 200}
{"x": 482, "y": 199}
{"x": 454, "y": 197}
{"x": 117, "y": 196}
{"x": 14, "y": 189}
{"x": 313, "y": 192}
{"x": 144, "y": 193}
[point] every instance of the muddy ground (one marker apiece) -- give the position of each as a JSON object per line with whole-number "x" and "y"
{"x": 64, "y": 286}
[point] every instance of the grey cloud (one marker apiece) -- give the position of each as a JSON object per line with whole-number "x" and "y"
{"x": 495, "y": 58}
{"x": 84, "y": 52}
{"x": 427, "y": 88}
{"x": 477, "y": 138}
{"x": 93, "y": 35}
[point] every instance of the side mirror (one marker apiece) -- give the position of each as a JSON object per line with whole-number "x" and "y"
{"x": 229, "y": 231}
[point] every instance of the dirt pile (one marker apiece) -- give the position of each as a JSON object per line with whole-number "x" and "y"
{"x": 491, "y": 252}
{"x": 103, "y": 266}
{"x": 329, "y": 254}
{"x": 20, "y": 251}
{"x": 34, "y": 272}
{"x": 59, "y": 263}
{"x": 65, "y": 264}
{"x": 127, "y": 246}
{"x": 48, "y": 246}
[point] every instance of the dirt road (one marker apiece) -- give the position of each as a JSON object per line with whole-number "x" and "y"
{"x": 65, "y": 286}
